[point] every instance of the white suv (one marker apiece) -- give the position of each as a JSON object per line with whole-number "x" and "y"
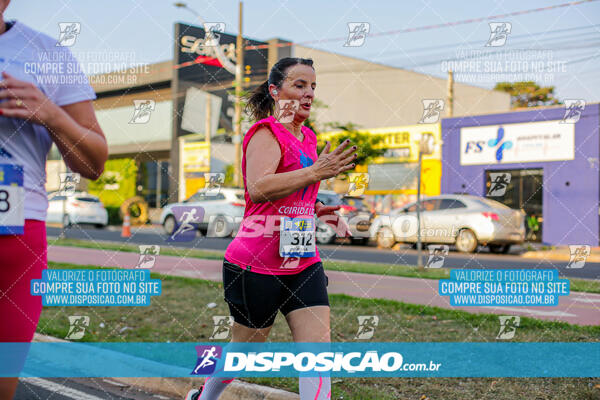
{"x": 223, "y": 212}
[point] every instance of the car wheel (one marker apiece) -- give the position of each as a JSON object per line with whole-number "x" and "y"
{"x": 499, "y": 249}
{"x": 66, "y": 221}
{"x": 169, "y": 225}
{"x": 385, "y": 238}
{"x": 99, "y": 226}
{"x": 466, "y": 241}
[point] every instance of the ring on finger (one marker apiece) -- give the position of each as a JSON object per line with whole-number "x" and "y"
{"x": 19, "y": 102}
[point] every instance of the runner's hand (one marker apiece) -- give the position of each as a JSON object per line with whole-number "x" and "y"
{"x": 332, "y": 164}
{"x": 24, "y": 100}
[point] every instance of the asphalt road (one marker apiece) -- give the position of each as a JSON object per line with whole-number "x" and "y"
{"x": 80, "y": 389}
{"x": 345, "y": 252}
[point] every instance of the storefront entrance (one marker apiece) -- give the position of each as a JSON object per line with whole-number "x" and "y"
{"x": 523, "y": 192}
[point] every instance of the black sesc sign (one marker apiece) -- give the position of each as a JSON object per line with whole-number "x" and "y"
{"x": 197, "y": 65}
{"x": 192, "y": 47}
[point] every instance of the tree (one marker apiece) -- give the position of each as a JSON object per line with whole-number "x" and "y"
{"x": 528, "y": 94}
{"x": 365, "y": 142}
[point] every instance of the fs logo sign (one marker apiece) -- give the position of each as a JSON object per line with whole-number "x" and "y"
{"x": 207, "y": 359}
{"x": 499, "y": 144}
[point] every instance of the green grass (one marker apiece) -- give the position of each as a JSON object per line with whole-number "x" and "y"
{"x": 577, "y": 285}
{"x": 130, "y": 248}
{"x": 180, "y": 314}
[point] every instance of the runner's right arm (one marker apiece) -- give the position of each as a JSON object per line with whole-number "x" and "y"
{"x": 262, "y": 158}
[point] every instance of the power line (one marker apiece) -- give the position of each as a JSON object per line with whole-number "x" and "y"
{"x": 477, "y": 42}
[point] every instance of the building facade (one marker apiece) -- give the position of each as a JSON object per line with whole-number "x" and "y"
{"x": 552, "y": 162}
{"x": 147, "y": 112}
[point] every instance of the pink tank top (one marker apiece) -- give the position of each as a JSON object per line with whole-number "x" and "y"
{"x": 256, "y": 246}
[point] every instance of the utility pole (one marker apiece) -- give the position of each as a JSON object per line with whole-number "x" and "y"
{"x": 450, "y": 95}
{"x": 237, "y": 137}
{"x": 237, "y": 70}
{"x": 419, "y": 243}
{"x": 426, "y": 147}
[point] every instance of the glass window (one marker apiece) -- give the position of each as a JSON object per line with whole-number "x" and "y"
{"x": 447, "y": 204}
{"x": 490, "y": 203}
{"x": 430, "y": 205}
{"x": 196, "y": 197}
{"x": 88, "y": 199}
{"x": 412, "y": 208}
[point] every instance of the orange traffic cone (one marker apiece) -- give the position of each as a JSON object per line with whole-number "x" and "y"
{"x": 126, "y": 231}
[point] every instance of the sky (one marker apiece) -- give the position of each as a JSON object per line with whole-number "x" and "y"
{"x": 558, "y": 47}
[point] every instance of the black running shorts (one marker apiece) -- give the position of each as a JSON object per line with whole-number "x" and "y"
{"x": 254, "y": 298}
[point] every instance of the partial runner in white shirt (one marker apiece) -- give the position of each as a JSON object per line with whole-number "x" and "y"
{"x": 31, "y": 56}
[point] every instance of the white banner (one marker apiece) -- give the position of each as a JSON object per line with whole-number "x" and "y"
{"x": 517, "y": 143}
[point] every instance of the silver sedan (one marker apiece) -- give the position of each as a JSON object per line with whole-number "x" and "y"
{"x": 463, "y": 220}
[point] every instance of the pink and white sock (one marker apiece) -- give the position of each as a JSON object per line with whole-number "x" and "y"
{"x": 213, "y": 387}
{"x": 315, "y": 388}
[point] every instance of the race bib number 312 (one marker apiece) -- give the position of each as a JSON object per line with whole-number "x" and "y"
{"x": 297, "y": 237}
{"x": 12, "y": 197}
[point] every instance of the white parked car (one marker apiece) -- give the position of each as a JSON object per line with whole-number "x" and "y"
{"x": 79, "y": 208}
{"x": 463, "y": 220}
{"x": 223, "y": 212}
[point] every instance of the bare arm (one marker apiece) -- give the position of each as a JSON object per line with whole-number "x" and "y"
{"x": 262, "y": 158}
{"x": 73, "y": 127}
{"x": 80, "y": 140}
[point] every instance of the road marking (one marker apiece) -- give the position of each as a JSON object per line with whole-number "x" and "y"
{"x": 60, "y": 389}
{"x": 555, "y": 313}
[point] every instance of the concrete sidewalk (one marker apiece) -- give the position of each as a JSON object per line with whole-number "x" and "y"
{"x": 560, "y": 253}
{"x": 578, "y": 308}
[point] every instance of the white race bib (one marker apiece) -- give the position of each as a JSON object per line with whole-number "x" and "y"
{"x": 297, "y": 237}
{"x": 12, "y": 200}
